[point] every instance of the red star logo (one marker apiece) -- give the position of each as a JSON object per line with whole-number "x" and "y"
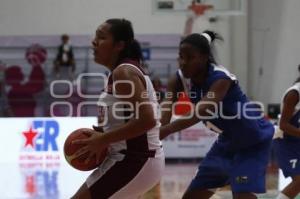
{"x": 29, "y": 135}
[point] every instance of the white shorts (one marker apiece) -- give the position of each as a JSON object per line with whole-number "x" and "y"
{"x": 125, "y": 177}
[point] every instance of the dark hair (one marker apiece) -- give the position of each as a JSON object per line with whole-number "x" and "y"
{"x": 122, "y": 30}
{"x": 298, "y": 79}
{"x": 202, "y": 43}
{"x": 64, "y": 36}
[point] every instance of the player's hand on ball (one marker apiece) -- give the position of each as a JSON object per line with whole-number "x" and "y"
{"x": 94, "y": 146}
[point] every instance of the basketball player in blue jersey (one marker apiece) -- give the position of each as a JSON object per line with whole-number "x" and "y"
{"x": 135, "y": 159}
{"x": 287, "y": 148}
{"x": 240, "y": 155}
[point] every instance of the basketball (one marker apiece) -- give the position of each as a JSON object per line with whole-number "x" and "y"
{"x": 70, "y": 149}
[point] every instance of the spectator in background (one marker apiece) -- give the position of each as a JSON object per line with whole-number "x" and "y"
{"x": 21, "y": 95}
{"x": 4, "y": 108}
{"x": 65, "y": 57}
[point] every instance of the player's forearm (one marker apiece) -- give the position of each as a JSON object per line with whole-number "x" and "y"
{"x": 204, "y": 109}
{"x": 177, "y": 125}
{"x": 132, "y": 129}
{"x": 289, "y": 129}
{"x": 165, "y": 117}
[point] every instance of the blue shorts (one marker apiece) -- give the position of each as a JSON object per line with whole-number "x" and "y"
{"x": 244, "y": 170}
{"x": 288, "y": 156}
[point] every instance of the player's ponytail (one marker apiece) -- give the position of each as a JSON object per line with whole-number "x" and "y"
{"x": 204, "y": 43}
{"x": 122, "y": 30}
{"x": 298, "y": 79}
{"x": 133, "y": 51}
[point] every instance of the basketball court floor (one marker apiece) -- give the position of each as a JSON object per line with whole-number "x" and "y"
{"x": 178, "y": 176}
{"x": 60, "y": 182}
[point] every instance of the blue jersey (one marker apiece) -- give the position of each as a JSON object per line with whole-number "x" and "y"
{"x": 240, "y": 122}
{"x": 287, "y": 149}
{"x": 295, "y": 120}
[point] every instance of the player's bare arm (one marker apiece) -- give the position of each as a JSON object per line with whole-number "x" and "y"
{"x": 219, "y": 89}
{"x": 290, "y": 101}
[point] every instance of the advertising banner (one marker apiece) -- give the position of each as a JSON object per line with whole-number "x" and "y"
{"x": 193, "y": 142}
{"x": 32, "y": 163}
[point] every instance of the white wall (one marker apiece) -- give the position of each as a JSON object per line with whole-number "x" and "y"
{"x": 274, "y": 47}
{"x": 239, "y": 49}
{"x": 79, "y": 17}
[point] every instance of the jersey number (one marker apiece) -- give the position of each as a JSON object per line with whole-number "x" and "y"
{"x": 293, "y": 162}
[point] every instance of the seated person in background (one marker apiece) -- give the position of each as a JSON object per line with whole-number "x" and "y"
{"x": 21, "y": 95}
{"x": 65, "y": 57}
{"x": 4, "y": 107}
